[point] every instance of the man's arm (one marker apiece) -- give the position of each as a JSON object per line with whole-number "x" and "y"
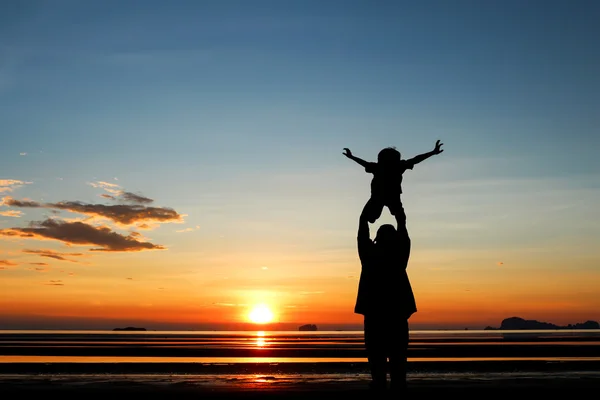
{"x": 404, "y": 243}
{"x": 360, "y": 161}
{"x": 425, "y": 156}
{"x": 363, "y": 227}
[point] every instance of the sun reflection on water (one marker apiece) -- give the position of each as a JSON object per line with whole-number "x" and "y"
{"x": 260, "y": 339}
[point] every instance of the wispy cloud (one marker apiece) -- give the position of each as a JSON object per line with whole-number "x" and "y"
{"x": 11, "y": 213}
{"x": 41, "y": 264}
{"x": 54, "y": 283}
{"x": 79, "y": 233}
{"x": 8, "y": 185}
{"x": 8, "y": 263}
{"x": 53, "y": 254}
{"x": 117, "y": 193}
{"x": 188, "y": 229}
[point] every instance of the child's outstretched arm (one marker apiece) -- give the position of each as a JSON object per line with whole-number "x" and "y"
{"x": 421, "y": 157}
{"x": 349, "y": 154}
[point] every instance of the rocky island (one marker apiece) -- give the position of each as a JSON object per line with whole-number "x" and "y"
{"x": 516, "y": 323}
{"x": 308, "y": 327}
{"x": 130, "y": 328}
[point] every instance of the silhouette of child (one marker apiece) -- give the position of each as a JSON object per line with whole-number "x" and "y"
{"x": 386, "y": 185}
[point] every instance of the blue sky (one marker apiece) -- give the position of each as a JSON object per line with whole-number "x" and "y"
{"x": 235, "y": 113}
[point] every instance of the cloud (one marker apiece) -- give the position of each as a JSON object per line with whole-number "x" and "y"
{"x": 53, "y": 254}
{"x": 42, "y": 264}
{"x": 8, "y": 185}
{"x": 79, "y": 233}
{"x": 117, "y": 193}
{"x": 125, "y": 214}
{"x": 109, "y": 187}
{"x": 11, "y": 213}
{"x": 188, "y": 229}
{"x": 54, "y": 283}
{"x": 8, "y": 263}
{"x": 135, "y": 198}
{"x": 9, "y": 201}
{"x": 23, "y": 154}
{"x": 500, "y": 263}
{"x": 38, "y": 269}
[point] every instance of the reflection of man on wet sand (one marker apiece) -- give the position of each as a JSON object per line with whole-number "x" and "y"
{"x": 386, "y": 301}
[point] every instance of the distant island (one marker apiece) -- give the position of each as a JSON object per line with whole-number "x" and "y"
{"x": 516, "y": 323}
{"x": 130, "y": 328}
{"x": 308, "y": 327}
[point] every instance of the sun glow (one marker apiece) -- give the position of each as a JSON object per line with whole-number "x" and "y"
{"x": 261, "y": 314}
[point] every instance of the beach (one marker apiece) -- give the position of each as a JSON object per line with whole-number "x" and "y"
{"x": 308, "y": 386}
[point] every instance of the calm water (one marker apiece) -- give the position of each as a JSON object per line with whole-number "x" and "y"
{"x": 288, "y": 346}
{"x": 254, "y": 359}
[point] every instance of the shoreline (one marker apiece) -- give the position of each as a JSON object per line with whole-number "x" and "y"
{"x": 273, "y": 367}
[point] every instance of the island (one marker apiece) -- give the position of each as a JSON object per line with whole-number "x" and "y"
{"x": 308, "y": 327}
{"x": 517, "y": 323}
{"x": 130, "y": 328}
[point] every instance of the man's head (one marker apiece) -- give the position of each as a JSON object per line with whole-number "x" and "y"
{"x": 388, "y": 155}
{"x": 386, "y": 236}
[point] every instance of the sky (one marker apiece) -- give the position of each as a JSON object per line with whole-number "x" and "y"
{"x": 175, "y": 164}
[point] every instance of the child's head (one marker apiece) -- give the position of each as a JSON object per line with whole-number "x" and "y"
{"x": 388, "y": 155}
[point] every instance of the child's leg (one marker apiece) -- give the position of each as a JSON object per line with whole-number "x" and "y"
{"x": 397, "y": 210}
{"x": 374, "y": 208}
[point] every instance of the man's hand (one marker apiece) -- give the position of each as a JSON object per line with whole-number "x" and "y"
{"x": 437, "y": 149}
{"x": 347, "y": 152}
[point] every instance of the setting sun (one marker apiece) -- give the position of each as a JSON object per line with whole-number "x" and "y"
{"x": 261, "y": 314}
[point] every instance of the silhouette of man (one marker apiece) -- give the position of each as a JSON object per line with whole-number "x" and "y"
{"x": 385, "y": 299}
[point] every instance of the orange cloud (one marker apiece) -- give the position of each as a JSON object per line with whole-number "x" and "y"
{"x": 8, "y": 263}
{"x": 79, "y": 233}
{"x": 53, "y": 254}
{"x": 11, "y": 213}
{"x": 8, "y": 185}
{"x": 39, "y": 263}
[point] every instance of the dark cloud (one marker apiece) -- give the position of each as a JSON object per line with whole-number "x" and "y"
{"x": 40, "y": 263}
{"x": 79, "y": 233}
{"x": 53, "y": 254}
{"x": 125, "y": 214}
{"x": 8, "y": 263}
{"x": 121, "y": 213}
{"x": 107, "y": 196}
{"x": 9, "y": 201}
{"x": 135, "y": 198}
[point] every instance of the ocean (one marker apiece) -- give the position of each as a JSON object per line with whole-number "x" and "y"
{"x": 264, "y": 357}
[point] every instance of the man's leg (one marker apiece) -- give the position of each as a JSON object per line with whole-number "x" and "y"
{"x": 398, "y": 358}
{"x": 376, "y": 354}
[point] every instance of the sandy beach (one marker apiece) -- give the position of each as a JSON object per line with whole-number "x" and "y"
{"x": 272, "y": 387}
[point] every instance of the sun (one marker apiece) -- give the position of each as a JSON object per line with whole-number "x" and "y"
{"x": 261, "y": 314}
